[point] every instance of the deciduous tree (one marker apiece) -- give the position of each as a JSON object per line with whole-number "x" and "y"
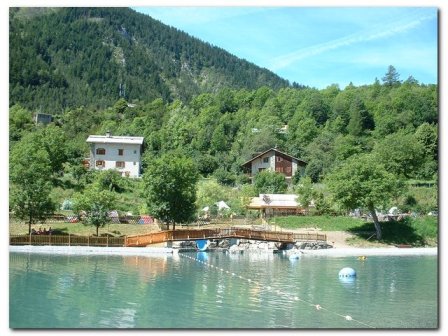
{"x": 362, "y": 181}
{"x": 96, "y": 204}
{"x": 268, "y": 182}
{"x": 30, "y": 175}
{"x": 170, "y": 189}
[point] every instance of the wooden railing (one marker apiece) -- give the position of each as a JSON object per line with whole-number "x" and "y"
{"x": 68, "y": 240}
{"x": 150, "y": 238}
{"x": 277, "y": 236}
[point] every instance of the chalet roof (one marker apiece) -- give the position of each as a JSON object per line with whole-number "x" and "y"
{"x": 115, "y": 139}
{"x": 274, "y": 201}
{"x": 275, "y": 150}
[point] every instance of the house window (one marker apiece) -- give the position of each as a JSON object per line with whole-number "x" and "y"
{"x": 135, "y": 163}
{"x": 266, "y": 160}
{"x": 119, "y": 164}
{"x": 261, "y": 169}
{"x": 279, "y": 158}
{"x": 100, "y": 163}
{"x": 279, "y": 169}
{"x": 100, "y": 151}
{"x": 135, "y": 151}
{"x": 120, "y": 152}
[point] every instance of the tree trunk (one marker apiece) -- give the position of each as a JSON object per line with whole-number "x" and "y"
{"x": 375, "y": 222}
{"x": 174, "y": 226}
{"x": 29, "y": 223}
{"x": 97, "y": 230}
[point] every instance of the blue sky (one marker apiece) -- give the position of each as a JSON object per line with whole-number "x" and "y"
{"x": 318, "y": 46}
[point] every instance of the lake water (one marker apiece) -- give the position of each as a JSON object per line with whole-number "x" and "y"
{"x": 218, "y": 290}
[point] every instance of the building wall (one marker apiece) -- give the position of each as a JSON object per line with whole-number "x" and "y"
{"x": 131, "y": 157}
{"x": 258, "y": 163}
{"x": 283, "y": 165}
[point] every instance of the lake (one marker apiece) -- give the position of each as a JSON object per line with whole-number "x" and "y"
{"x": 221, "y": 290}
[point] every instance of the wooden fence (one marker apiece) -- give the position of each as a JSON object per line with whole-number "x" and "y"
{"x": 165, "y": 236}
{"x": 68, "y": 240}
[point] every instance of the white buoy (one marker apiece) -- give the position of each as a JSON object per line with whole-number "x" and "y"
{"x": 347, "y": 272}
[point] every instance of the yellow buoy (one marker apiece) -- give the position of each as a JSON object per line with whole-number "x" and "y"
{"x": 362, "y": 258}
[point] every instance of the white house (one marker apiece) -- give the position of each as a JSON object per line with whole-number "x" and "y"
{"x": 122, "y": 153}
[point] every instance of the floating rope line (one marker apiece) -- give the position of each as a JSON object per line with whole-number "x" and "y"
{"x": 318, "y": 307}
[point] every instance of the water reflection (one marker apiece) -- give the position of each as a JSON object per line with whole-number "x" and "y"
{"x": 147, "y": 268}
{"x": 171, "y": 292}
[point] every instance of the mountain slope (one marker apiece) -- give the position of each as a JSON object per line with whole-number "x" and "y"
{"x": 61, "y": 58}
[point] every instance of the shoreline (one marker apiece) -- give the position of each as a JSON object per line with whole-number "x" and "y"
{"x": 90, "y": 250}
{"x": 149, "y": 251}
{"x": 375, "y": 251}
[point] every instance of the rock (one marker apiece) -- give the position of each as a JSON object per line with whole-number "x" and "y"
{"x": 224, "y": 243}
{"x": 234, "y": 249}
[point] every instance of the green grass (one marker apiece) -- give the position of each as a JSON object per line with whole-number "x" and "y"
{"x": 325, "y": 223}
{"x": 421, "y": 231}
{"x": 19, "y": 228}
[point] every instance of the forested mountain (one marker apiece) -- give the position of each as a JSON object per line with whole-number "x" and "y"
{"x": 70, "y": 57}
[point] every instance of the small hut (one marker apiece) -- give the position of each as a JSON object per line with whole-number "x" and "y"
{"x": 276, "y": 205}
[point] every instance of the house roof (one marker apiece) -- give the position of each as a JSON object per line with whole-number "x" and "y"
{"x": 115, "y": 139}
{"x": 274, "y": 201}
{"x": 275, "y": 150}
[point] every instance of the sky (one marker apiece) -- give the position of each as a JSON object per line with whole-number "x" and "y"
{"x": 318, "y": 46}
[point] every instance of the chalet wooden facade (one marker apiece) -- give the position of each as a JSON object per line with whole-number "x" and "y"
{"x": 274, "y": 160}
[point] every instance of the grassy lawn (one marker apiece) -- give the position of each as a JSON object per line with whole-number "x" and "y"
{"x": 421, "y": 231}
{"x": 325, "y": 223}
{"x": 80, "y": 229}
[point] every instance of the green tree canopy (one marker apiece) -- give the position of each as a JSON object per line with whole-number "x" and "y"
{"x": 170, "y": 189}
{"x": 96, "y": 204}
{"x": 53, "y": 140}
{"x": 209, "y": 192}
{"x": 30, "y": 175}
{"x": 110, "y": 180}
{"x": 268, "y": 182}
{"x": 305, "y": 191}
{"x": 392, "y": 77}
{"x": 363, "y": 182}
{"x": 400, "y": 153}
{"x": 20, "y": 121}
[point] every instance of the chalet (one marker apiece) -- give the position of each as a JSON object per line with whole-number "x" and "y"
{"x": 122, "y": 153}
{"x": 275, "y": 160}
